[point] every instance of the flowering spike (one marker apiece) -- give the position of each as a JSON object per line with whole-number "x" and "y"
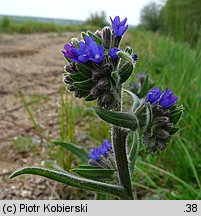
{"x": 165, "y": 115}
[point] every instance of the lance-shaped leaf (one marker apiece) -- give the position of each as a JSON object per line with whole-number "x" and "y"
{"x": 125, "y": 71}
{"x": 122, "y": 119}
{"x": 73, "y": 180}
{"x": 78, "y": 76}
{"x": 96, "y": 38}
{"x": 85, "y": 85}
{"x": 84, "y": 70}
{"x": 79, "y": 151}
{"x": 125, "y": 56}
{"x": 95, "y": 173}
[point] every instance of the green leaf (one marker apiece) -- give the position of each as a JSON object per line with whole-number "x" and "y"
{"x": 122, "y": 119}
{"x": 174, "y": 130}
{"x": 176, "y": 114}
{"x": 85, "y": 85}
{"x": 96, "y": 38}
{"x": 136, "y": 100}
{"x": 125, "y": 71}
{"x": 83, "y": 69}
{"x": 95, "y": 173}
{"x": 83, "y": 34}
{"x": 84, "y": 166}
{"x": 75, "y": 42}
{"x": 77, "y": 76}
{"x": 73, "y": 180}
{"x": 125, "y": 56}
{"x": 145, "y": 87}
{"x": 79, "y": 151}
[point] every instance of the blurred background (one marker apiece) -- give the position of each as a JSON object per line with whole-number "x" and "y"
{"x": 36, "y": 108}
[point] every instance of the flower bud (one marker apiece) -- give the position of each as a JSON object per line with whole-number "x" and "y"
{"x": 107, "y": 36}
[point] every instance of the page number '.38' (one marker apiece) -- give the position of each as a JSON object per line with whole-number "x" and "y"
{"x": 191, "y": 208}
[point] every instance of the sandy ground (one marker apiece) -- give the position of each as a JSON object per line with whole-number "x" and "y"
{"x": 33, "y": 64}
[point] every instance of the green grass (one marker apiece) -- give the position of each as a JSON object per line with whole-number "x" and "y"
{"x": 177, "y": 66}
{"x": 11, "y": 26}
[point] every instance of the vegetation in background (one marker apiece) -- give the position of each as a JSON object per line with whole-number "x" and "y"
{"x": 174, "y": 64}
{"x": 180, "y": 19}
{"x": 97, "y": 19}
{"x": 10, "y": 26}
{"x": 150, "y": 16}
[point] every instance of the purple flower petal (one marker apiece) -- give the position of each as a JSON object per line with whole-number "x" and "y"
{"x": 167, "y": 99}
{"x": 153, "y": 96}
{"x": 119, "y": 28}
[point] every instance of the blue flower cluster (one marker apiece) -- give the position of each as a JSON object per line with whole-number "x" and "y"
{"x": 103, "y": 149}
{"x": 164, "y": 99}
{"x": 88, "y": 50}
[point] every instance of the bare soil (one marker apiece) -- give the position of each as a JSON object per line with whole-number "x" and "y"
{"x": 33, "y": 64}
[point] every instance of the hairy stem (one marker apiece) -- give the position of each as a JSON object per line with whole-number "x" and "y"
{"x": 119, "y": 145}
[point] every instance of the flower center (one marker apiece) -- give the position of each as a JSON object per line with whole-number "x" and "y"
{"x": 97, "y": 56}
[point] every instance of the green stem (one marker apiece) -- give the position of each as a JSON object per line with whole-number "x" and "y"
{"x": 119, "y": 136}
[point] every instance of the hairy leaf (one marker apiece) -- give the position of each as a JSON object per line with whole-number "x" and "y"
{"x": 122, "y": 119}
{"x": 73, "y": 180}
{"x": 95, "y": 173}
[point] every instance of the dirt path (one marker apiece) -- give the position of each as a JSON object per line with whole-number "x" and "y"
{"x": 33, "y": 64}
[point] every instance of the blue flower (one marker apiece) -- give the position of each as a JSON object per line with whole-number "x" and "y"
{"x": 113, "y": 53}
{"x": 107, "y": 143}
{"x": 119, "y": 27}
{"x": 95, "y": 154}
{"x": 96, "y": 53}
{"x": 153, "y": 96}
{"x": 88, "y": 50}
{"x": 68, "y": 53}
{"x": 135, "y": 57}
{"x": 164, "y": 99}
{"x": 167, "y": 99}
{"x": 103, "y": 149}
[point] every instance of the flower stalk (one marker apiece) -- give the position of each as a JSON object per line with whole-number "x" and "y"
{"x": 119, "y": 136}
